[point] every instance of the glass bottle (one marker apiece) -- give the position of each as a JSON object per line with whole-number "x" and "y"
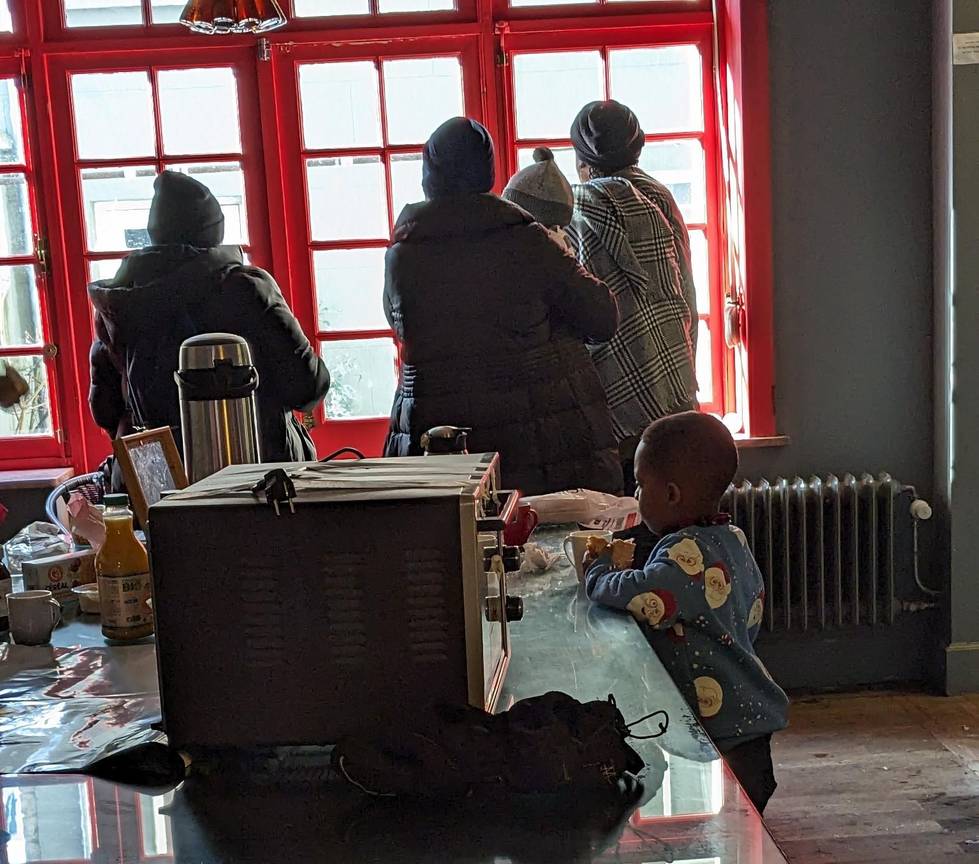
{"x": 123, "y": 571}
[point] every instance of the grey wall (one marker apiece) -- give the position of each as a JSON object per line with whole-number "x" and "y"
{"x": 962, "y": 659}
{"x": 851, "y": 130}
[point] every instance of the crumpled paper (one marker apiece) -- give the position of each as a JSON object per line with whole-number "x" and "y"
{"x": 536, "y": 559}
{"x": 37, "y": 540}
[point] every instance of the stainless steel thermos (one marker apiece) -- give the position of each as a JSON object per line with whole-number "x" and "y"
{"x": 218, "y": 415}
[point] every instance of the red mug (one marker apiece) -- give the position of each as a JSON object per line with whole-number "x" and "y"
{"x": 519, "y": 530}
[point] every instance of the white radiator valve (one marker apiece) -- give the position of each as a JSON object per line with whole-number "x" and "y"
{"x": 921, "y": 509}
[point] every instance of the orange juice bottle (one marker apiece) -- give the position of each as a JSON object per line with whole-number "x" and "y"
{"x": 123, "y": 571}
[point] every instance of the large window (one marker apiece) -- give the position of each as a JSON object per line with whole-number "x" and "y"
{"x": 311, "y": 140}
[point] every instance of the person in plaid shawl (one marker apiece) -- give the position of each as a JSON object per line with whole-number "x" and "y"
{"x": 627, "y": 230}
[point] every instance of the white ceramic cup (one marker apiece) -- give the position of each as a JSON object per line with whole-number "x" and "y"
{"x": 33, "y": 615}
{"x": 575, "y": 546}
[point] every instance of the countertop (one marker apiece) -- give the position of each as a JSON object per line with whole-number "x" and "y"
{"x": 688, "y": 809}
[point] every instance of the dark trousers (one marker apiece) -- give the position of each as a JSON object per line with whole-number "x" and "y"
{"x": 751, "y": 763}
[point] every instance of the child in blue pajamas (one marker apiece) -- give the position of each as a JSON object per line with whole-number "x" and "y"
{"x": 700, "y": 596}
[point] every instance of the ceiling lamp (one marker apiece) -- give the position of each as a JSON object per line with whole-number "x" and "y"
{"x": 232, "y": 16}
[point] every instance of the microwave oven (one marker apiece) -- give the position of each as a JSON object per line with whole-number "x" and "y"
{"x": 379, "y": 589}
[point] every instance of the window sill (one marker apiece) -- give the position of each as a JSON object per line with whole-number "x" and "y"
{"x": 746, "y": 442}
{"x": 34, "y": 478}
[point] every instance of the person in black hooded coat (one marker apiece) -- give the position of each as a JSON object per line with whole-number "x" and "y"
{"x": 183, "y": 285}
{"x": 492, "y": 316}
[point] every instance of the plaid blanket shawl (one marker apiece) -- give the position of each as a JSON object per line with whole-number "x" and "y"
{"x": 647, "y": 368}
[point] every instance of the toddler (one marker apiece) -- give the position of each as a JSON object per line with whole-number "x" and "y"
{"x": 700, "y": 596}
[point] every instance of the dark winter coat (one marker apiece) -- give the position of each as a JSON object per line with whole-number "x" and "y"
{"x": 492, "y": 316}
{"x": 163, "y": 295}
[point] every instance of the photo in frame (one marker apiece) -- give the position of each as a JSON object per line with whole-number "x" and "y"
{"x": 150, "y": 465}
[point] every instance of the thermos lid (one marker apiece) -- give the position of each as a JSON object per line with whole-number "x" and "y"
{"x": 212, "y": 349}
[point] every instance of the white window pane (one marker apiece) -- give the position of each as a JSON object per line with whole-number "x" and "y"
{"x": 550, "y": 89}
{"x": 6, "y": 22}
{"x": 420, "y": 95}
{"x": 226, "y": 181}
{"x": 347, "y": 198}
{"x": 32, "y": 415}
{"x": 518, "y": 3}
{"x": 16, "y": 234}
{"x": 113, "y": 114}
{"x": 349, "y": 284}
{"x": 701, "y": 273}
{"x": 11, "y": 130}
{"x": 662, "y": 85}
{"x": 102, "y": 13}
{"x": 705, "y": 374}
{"x": 363, "y": 377}
{"x": 415, "y": 5}
{"x": 166, "y": 11}
{"x": 406, "y": 181}
{"x": 679, "y": 165}
{"x": 312, "y": 8}
{"x": 199, "y": 111}
{"x": 117, "y": 206}
{"x": 564, "y": 158}
{"x": 340, "y": 105}
{"x": 20, "y": 311}
{"x": 104, "y": 268}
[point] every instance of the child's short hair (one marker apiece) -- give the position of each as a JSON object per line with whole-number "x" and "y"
{"x": 697, "y": 446}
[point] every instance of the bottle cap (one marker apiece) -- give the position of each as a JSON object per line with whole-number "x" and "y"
{"x": 116, "y": 500}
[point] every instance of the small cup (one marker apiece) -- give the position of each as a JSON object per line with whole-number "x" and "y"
{"x": 578, "y": 542}
{"x": 33, "y": 616}
{"x": 519, "y": 530}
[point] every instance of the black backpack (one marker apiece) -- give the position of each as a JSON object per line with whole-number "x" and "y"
{"x": 547, "y": 744}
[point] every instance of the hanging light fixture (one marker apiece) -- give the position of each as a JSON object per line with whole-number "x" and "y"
{"x": 232, "y": 16}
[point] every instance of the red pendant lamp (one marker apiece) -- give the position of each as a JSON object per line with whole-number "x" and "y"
{"x": 232, "y": 16}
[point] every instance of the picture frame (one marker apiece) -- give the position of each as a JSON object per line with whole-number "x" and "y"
{"x": 150, "y": 465}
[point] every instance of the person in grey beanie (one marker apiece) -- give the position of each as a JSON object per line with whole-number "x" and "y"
{"x": 545, "y": 193}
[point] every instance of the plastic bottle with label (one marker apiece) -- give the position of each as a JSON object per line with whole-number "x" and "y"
{"x": 123, "y": 571}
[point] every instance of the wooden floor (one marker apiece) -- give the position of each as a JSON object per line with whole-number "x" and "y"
{"x": 878, "y": 778}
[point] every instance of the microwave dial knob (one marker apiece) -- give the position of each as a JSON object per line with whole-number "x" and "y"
{"x": 514, "y": 608}
{"x": 493, "y": 608}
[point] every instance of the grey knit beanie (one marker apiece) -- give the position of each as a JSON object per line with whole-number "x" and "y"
{"x": 542, "y": 190}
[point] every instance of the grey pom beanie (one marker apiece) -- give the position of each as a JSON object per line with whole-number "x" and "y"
{"x": 542, "y": 190}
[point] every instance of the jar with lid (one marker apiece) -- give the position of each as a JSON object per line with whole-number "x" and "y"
{"x": 123, "y": 571}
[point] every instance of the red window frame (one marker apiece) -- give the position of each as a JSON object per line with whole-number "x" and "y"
{"x": 585, "y": 36}
{"x": 45, "y": 47}
{"x": 26, "y": 450}
{"x": 366, "y": 433}
{"x": 70, "y": 167}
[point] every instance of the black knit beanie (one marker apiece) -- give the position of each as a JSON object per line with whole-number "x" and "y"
{"x": 184, "y": 211}
{"x": 607, "y": 136}
{"x": 458, "y": 159}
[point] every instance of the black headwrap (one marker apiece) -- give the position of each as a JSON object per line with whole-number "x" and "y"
{"x": 184, "y": 211}
{"x": 458, "y": 159}
{"x": 607, "y": 136}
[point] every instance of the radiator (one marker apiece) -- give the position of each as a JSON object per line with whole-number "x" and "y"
{"x": 834, "y": 552}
